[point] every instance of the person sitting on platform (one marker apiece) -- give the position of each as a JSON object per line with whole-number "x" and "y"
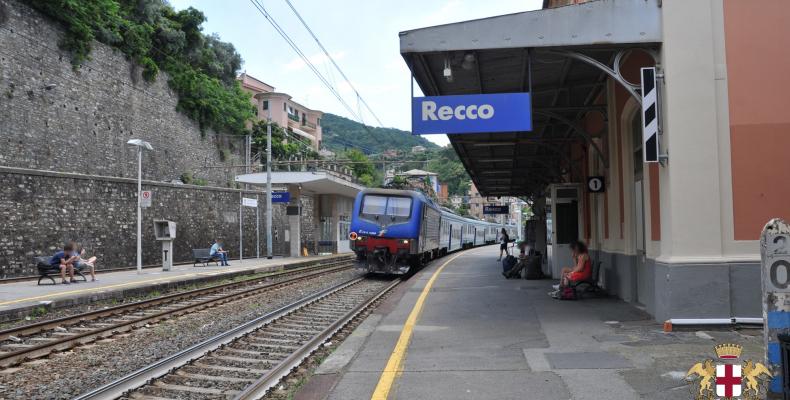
{"x": 581, "y": 271}
{"x": 219, "y": 252}
{"x": 65, "y": 260}
{"x": 90, "y": 263}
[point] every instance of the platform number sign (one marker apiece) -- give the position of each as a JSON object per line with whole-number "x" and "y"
{"x": 145, "y": 198}
{"x": 775, "y": 263}
{"x": 595, "y": 184}
{"x": 650, "y": 115}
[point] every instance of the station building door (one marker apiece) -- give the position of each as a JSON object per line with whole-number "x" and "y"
{"x": 565, "y": 226}
{"x": 344, "y": 206}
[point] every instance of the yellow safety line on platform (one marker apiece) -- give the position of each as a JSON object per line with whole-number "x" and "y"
{"x": 99, "y": 288}
{"x": 395, "y": 364}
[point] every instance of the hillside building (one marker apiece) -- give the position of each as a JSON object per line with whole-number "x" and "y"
{"x": 303, "y": 122}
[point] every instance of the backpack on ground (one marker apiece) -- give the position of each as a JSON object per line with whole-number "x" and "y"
{"x": 515, "y": 272}
{"x": 567, "y": 293}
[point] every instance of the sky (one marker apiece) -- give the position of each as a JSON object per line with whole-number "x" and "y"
{"x": 361, "y": 36}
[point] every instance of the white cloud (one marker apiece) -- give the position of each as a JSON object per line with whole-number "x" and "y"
{"x": 317, "y": 59}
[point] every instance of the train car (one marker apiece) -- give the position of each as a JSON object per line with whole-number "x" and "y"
{"x": 397, "y": 231}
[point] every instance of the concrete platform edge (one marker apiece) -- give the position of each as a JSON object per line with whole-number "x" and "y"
{"x": 16, "y": 313}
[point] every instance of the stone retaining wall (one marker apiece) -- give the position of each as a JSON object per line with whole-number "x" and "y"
{"x": 53, "y": 117}
{"x": 41, "y": 210}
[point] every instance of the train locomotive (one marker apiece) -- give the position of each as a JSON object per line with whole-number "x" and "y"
{"x": 397, "y": 231}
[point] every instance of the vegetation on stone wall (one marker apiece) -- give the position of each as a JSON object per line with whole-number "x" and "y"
{"x": 153, "y": 35}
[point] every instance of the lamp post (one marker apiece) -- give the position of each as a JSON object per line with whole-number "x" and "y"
{"x": 140, "y": 144}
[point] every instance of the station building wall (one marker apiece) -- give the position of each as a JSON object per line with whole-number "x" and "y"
{"x": 726, "y": 134}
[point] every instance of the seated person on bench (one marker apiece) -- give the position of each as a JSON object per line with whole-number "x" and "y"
{"x": 582, "y": 269}
{"x": 65, "y": 259}
{"x": 217, "y": 251}
{"x": 90, "y": 263}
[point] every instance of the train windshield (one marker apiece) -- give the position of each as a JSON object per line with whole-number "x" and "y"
{"x": 391, "y": 206}
{"x": 399, "y": 206}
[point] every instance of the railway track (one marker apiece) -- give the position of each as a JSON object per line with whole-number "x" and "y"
{"x": 41, "y": 339}
{"x": 246, "y": 361}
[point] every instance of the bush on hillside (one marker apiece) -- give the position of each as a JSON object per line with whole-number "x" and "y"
{"x": 153, "y": 35}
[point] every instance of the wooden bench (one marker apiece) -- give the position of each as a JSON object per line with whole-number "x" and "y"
{"x": 46, "y": 270}
{"x": 589, "y": 285}
{"x": 203, "y": 256}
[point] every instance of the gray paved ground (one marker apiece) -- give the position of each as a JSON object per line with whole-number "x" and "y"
{"x": 483, "y": 337}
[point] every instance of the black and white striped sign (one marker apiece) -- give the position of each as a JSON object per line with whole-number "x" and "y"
{"x": 649, "y": 115}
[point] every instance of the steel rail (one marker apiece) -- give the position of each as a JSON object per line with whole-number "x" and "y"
{"x": 261, "y": 386}
{"x": 162, "y": 367}
{"x": 91, "y": 315}
{"x": 35, "y": 351}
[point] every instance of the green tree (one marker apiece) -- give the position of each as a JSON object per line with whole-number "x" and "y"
{"x": 282, "y": 149}
{"x": 362, "y": 167}
{"x": 450, "y": 170}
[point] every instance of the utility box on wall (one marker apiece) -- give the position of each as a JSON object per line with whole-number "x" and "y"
{"x": 165, "y": 231}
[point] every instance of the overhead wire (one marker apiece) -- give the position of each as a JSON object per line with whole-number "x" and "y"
{"x": 332, "y": 60}
{"x": 262, "y": 10}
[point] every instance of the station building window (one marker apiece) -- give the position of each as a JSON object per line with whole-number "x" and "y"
{"x": 344, "y": 227}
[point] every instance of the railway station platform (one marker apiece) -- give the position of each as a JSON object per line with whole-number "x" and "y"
{"x": 21, "y": 298}
{"x": 459, "y": 330}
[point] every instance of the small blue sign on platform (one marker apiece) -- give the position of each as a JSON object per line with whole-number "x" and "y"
{"x": 474, "y": 113}
{"x": 281, "y": 197}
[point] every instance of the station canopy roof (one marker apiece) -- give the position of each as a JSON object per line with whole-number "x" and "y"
{"x": 559, "y": 49}
{"x": 317, "y": 182}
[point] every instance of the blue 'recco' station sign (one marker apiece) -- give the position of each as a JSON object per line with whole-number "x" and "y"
{"x": 474, "y": 113}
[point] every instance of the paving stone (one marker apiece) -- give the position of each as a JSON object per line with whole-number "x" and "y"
{"x": 590, "y": 360}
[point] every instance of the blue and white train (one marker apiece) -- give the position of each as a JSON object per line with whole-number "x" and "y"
{"x": 397, "y": 231}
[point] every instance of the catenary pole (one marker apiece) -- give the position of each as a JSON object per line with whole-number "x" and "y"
{"x": 269, "y": 183}
{"x": 257, "y": 227}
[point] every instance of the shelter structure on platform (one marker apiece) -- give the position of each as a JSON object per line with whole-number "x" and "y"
{"x": 679, "y": 237}
{"x": 332, "y": 201}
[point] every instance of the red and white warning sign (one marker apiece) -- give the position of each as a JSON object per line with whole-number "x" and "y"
{"x": 145, "y": 198}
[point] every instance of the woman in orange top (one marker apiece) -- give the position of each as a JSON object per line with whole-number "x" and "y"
{"x": 582, "y": 269}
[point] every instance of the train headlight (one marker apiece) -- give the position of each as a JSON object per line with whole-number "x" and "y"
{"x": 405, "y": 241}
{"x": 352, "y": 236}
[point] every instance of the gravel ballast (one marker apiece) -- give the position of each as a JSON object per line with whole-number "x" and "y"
{"x": 69, "y": 374}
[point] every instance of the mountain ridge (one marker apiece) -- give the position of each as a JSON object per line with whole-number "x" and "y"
{"x": 340, "y": 133}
